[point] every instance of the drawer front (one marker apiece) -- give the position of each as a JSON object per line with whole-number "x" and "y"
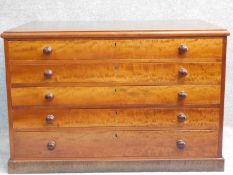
{"x": 111, "y": 49}
{"x": 115, "y": 143}
{"x": 116, "y": 96}
{"x": 159, "y": 118}
{"x": 127, "y": 73}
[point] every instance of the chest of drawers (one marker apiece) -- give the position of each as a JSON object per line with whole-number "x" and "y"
{"x": 115, "y": 96}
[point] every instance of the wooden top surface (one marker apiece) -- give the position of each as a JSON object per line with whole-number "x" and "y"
{"x": 114, "y": 28}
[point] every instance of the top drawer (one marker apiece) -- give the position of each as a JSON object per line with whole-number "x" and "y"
{"x": 194, "y": 48}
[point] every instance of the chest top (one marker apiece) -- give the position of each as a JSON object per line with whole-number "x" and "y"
{"x": 114, "y": 29}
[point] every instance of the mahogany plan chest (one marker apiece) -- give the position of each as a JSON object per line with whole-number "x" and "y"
{"x": 115, "y": 96}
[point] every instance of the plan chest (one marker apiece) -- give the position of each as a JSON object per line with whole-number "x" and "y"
{"x": 115, "y": 96}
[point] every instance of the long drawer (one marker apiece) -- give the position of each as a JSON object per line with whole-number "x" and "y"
{"x": 111, "y": 49}
{"x": 117, "y": 72}
{"x": 120, "y": 95}
{"x": 156, "y": 118}
{"x": 116, "y": 143}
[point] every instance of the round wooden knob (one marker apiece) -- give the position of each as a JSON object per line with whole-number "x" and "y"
{"x": 183, "y": 72}
{"x": 51, "y": 145}
{"x": 180, "y": 144}
{"x": 181, "y": 117}
{"x": 47, "y": 50}
{"x": 183, "y": 49}
{"x": 50, "y": 118}
{"x": 182, "y": 95}
{"x": 49, "y": 96}
{"x": 48, "y": 73}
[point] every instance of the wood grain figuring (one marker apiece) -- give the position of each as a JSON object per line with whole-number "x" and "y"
{"x": 222, "y": 96}
{"x": 115, "y": 96}
{"x": 162, "y": 118}
{"x": 117, "y": 26}
{"x": 118, "y": 73}
{"x": 110, "y": 143}
{"x": 115, "y": 49}
{"x": 116, "y": 29}
{"x": 8, "y": 88}
{"x": 121, "y": 95}
{"x": 130, "y": 165}
{"x": 14, "y": 36}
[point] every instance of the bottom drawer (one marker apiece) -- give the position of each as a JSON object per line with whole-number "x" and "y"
{"x": 92, "y": 143}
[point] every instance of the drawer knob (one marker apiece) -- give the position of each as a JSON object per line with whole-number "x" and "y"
{"x": 48, "y": 73}
{"x": 183, "y": 72}
{"x": 50, "y": 119}
{"x": 49, "y": 96}
{"x": 51, "y": 145}
{"x": 180, "y": 144}
{"x": 182, "y": 95}
{"x": 183, "y": 49}
{"x": 181, "y": 117}
{"x": 47, "y": 50}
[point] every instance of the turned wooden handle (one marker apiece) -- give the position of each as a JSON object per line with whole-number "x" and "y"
{"x": 183, "y": 49}
{"x": 182, "y": 95}
{"x": 183, "y": 72}
{"x": 49, "y": 96}
{"x": 48, "y": 73}
{"x": 50, "y": 118}
{"x": 47, "y": 50}
{"x": 181, "y": 117}
{"x": 51, "y": 145}
{"x": 180, "y": 144}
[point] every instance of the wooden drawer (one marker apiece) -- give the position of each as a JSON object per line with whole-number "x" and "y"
{"x": 111, "y": 49}
{"x": 115, "y": 143}
{"x": 159, "y": 118}
{"x": 116, "y": 96}
{"x": 117, "y": 72}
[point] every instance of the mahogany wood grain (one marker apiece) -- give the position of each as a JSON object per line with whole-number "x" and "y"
{"x": 157, "y": 118}
{"x": 14, "y": 36}
{"x": 118, "y": 95}
{"x": 109, "y": 143}
{"x": 223, "y": 77}
{"x": 119, "y": 113}
{"x": 119, "y": 73}
{"x": 116, "y": 29}
{"x": 117, "y": 26}
{"x": 115, "y": 165}
{"x": 9, "y": 102}
{"x": 115, "y": 49}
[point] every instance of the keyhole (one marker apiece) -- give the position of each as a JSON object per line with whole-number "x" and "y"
{"x": 116, "y": 135}
{"x": 115, "y": 90}
{"x": 116, "y": 66}
{"x": 115, "y": 44}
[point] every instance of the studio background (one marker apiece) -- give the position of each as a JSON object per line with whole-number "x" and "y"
{"x": 17, "y": 12}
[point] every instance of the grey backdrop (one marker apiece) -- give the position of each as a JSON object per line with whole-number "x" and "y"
{"x": 16, "y": 12}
